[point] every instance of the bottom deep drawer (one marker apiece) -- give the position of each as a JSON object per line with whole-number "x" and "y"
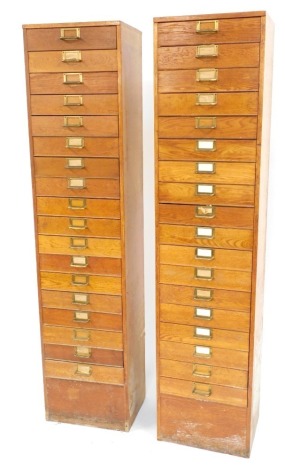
{"x": 203, "y": 391}
{"x": 106, "y": 357}
{"x": 84, "y": 372}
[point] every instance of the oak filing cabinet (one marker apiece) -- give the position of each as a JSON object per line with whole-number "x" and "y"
{"x": 85, "y": 106}
{"x": 212, "y": 106}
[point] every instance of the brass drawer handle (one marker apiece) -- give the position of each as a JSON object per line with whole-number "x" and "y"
{"x": 203, "y": 294}
{"x": 78, "y": 243}
{"x": 78, "y": 224}
{"x": 84, "y": 370}
{"x": 82, "y": 317}
{"x": 205, "y": 211}
{"x": 201, "y": 371}
{"x": 72, "y": 100}
{"x": 77, "y": 203}
{"x": 207, "y": 50}
{"x": 203, "y": 333}
{"x": 76, "y": 183}
{"x": 202, "y": 390}
{"x": 81, "y": 299}
{"x": 206, "y": 99}
{"x": 205, "y": 122}
{"x": 205, "y": 189}
{"x": 72, "y": 121}
{"x": 207, "y": 75}
{"x": 206, "y": 168}
{"x": 69, "y": 34}
{"x": 205, "y": 232}
{"x": 71, "y": 56}
{"x": 75, "y": 142}
{"x": 77, "y": 163}
{"x": 81, "y": 335}
{"x": 206, "y": 145}
{"x": 79, "y": 261}
{"x": 204, "y": 273}
{"x": 204, "y": 253}
{"x": 72, "y": 78}
{"x": 203, "y": 313}
{"x": 203, "y": 351}
{"x": 207, "y": 26}
{"x": 82, "y": 351}
{"x": 79, "y": 279}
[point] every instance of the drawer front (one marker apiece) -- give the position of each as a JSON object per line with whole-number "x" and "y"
{"x": 218, "y": 338}
{"x": 80, "y": 264}
{"x": 202, "y": 297}
{"x": 83, "y": 61}
{"x": 207, "y": 104}
{"x": 64, "y": 105}
{"x": 185, "y": 81}
{"x": 213, "y": 393}
{"x": 80, "y": 336}
{"x": 201, "y": 354}
{"x": 84, "y": 372}
{"x": 84, "y": 37}
{"x": 64, "y": 147}
{"x": 208, "y": 32}
{"x": 213, "y": 237}
{"x": 205, "y": 194}
{"x": 79, "y": 207}
{"x": 207, "y": 172}
{"x": 80, "y": 245}
{"x": 222, "y": 55}
{"x": 213, "y": 216}
{"x": 77, "y": 226}
{"x": 205, "y": 317}
{"x": 77, "y": 166}
{"x": 92, "y": 355}
{"x": 84, "y": 302}
{"x": 79, "y": 318}
{"x": 81, "y": 283}
{"x": 93, "y": 126}
{"x": 228, "y": 127}
{"x": 78, "y": 83}
{"x": 207, "y": 257}
{"x": 78, "y": 187}
{"x": 202, "y": 276}
{"x": 203, "y": 373}
{"x": 207, "y": 150}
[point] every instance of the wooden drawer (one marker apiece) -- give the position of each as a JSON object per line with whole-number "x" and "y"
{"x": 207, "y": 172}
{"x": 79, "y": 207}
{"x": 213, "y": 237}
{"x": 218, "y": 150}
{"x": 213, "y": 393}
{"x": 81, "y": 283}
{"x": 95, "y": 356}
{"x": 80, "y": 245}
{"x": 227, "y": 339}
{"x": 201, "y": 354}
{"x": 213, "y": 216}
{"x": 77, "y": 226}
{"x": 80, "y": 336}
{"x": 82, "y": 83}
{"x": 101, "y": 37}
{"x": 184, "y": 81}
{"x": 78, "y": 187}
{"x": 203, "y": 373}
{"x": 225, "y": 127}
{"x": 229, "y": 30}
{"x": 91, "y": 147}
{"x": 205, "y": 277}
{"x": 214, "y": 298}
{"x": 193, "y": 104}
{"x": 88, "y": 265}
{"x": 86, "y": 61}
{"x": 78, "y": 318}
{"x": 221, "y": 259}
{"x": 90, "y": 167}
{"x": 221, "y": 194}
{"x": 207, "y": 317}
{"x": 84, "y": 372}
{"x": 45, "y": 105}
{"x": 85, "y": 302}
{"x": 228, "y": 56}
{"x": 93, "y": 126}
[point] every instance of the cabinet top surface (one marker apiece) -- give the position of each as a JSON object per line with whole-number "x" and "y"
{"x": 211, "y": 16}
{"x": 66, "y": 25}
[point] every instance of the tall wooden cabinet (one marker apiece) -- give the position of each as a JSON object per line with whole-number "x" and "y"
{"x": 85, "y": 119}
{"x": 212, "y": 115}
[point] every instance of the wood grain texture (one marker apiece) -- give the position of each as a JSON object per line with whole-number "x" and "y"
{"x": 80, "y": 336}
{"x": 96, "y": 302}
{"x": 95, "y": 246}
{"x": 93, "y": 126}
{"x": 45, "y": 105}
{"x": 92, "y": 167}
{"x": 94, "y": 187}
{"x": 97, "y": 356}
{"x": 67, "y": 282}
{"x": 98, "y": 321}
{"x": 210, "y": 16}
{"x": 93, "y": 82}
{"x": 91, "y": 61}
{"x": 99, "y": 209}
{"x": 63, "y": 263}
{"x": 93, "y": 147}
{"x": 64, "y": 226}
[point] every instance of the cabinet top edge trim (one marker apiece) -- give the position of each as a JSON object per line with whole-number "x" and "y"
{"x": 247, "y": 14}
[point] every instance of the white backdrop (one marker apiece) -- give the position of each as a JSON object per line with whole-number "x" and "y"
{"x": 27, "y": 439}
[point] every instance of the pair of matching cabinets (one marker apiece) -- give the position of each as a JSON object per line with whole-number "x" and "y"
{"x": 212, "y": 118}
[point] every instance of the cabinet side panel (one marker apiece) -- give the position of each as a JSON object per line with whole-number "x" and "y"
{"x": 130, "y": 124}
